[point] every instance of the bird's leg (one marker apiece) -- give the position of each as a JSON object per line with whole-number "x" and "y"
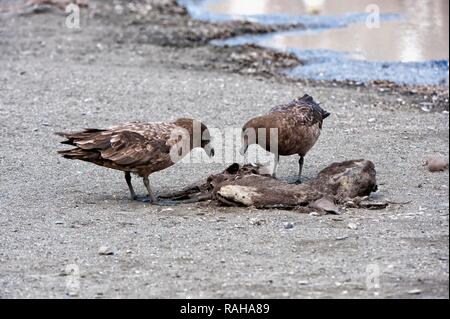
{"x": 301, "y": 161}
{"x": 275, "y": 166}
{"x": 150, "y": 192}
{"x": 130, "y": 186}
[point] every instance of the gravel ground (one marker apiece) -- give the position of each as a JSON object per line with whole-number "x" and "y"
{"x": 56, "y": 213}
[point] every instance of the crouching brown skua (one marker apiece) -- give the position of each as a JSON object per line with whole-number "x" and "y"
{"x": 139, "y": 148}
{"x": 297, "y": 125}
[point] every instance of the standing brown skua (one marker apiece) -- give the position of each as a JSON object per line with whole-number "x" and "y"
{"x": 297, "y": 125}
{"x": 139, "y": 148}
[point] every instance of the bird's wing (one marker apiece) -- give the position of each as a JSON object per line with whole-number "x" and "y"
{"x": 132, "y": 144}
{"x": 307, "y": 116}
{"x": 299, "y": 116}
{"x": 305, "y": 109}
{"x": 305, "y": 100}
{"x": 131, "y": 148}
{"x": 89, "y": 139}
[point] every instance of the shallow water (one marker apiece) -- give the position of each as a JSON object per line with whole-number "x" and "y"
{"x": 421, "y": 35}
{"x": 411, "y": 36}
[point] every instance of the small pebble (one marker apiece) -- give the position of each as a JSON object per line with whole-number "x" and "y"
{"x": 436, "y": 164}
{"x": 352, "y": 226}
{"x": 288, "y": 225}
{"x": 257, "y": 222}
{"x": 415, "y": 292}
{"x": 105, "y": 251}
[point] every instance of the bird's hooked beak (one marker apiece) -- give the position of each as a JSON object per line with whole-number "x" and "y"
{"x": 209, "y": 150}
{"x": 243, "y": 149}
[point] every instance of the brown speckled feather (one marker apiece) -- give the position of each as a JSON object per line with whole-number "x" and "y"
{"x": 142, "y": 148}
{"x": 299, "y": 124}
{"x": 304, "y": 110}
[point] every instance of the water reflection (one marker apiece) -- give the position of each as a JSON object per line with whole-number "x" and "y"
{"x": 421, "y": 36}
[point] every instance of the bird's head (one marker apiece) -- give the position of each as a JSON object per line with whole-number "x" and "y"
{"x": 199, "y": 134}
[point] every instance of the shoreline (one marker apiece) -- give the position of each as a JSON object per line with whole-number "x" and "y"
{"x": 167, "y": 23}
{"x": 183, "y": 31}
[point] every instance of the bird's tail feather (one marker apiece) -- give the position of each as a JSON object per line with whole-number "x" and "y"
{"x": 79, "y": 154}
